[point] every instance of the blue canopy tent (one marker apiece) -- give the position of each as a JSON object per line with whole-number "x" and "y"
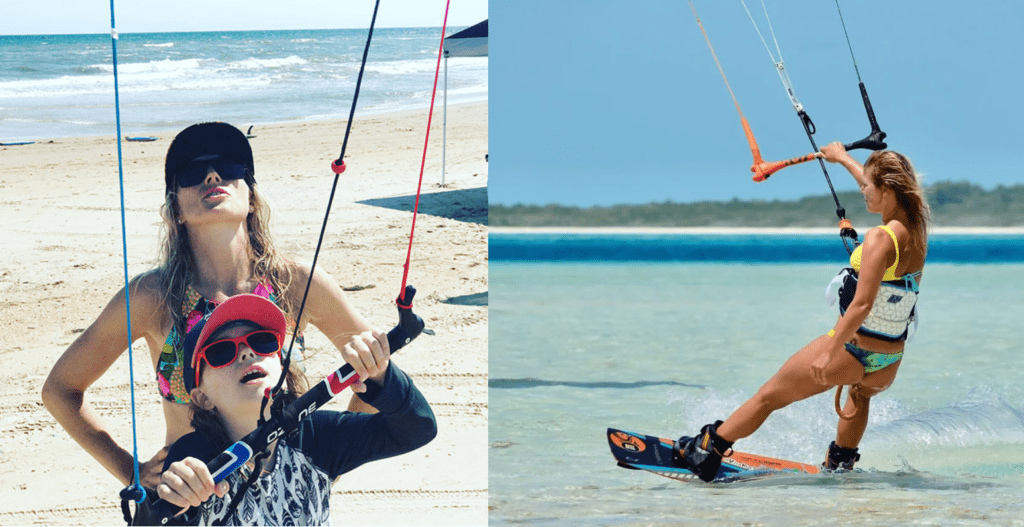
{"x": 470, "y": 42}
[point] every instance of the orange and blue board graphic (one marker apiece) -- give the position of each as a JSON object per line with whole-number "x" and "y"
{"x": 654, "y": 454}
{"x": 626, "y": 441}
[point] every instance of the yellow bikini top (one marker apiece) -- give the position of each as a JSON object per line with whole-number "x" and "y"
{"x": 890, "y": 273}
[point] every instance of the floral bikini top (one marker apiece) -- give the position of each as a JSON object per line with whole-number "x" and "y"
{"x": 169, "y": 370}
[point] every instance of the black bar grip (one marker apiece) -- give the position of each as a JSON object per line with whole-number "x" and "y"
{"x": 871, "y": 142}
{"x": 876, "y": 139}
{"x": 869, "y": 109}
{"x": 410, "y": 325}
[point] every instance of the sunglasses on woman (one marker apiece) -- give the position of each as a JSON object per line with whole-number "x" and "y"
{"x": 195, "y": 172}
{"x": 224, "y": 352}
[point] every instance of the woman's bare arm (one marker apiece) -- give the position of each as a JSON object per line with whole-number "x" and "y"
{"x": 86, "y": 360}
{"x": 836, "y": 153}
{"x": 329, "y": 310}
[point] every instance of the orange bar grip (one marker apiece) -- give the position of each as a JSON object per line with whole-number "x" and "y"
{"x": 763, "y": 169}
{"x": 754, "y": 149}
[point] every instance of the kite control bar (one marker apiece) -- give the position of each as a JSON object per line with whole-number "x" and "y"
{"x": 410, "y": 325}
{"x": 874, "y": 141}
{"x": 765, "y": 169}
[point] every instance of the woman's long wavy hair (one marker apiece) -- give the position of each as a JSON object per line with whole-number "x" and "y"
{"x": 210, "y": 422}
{"x": 893, "y": 171}
{"x": 178, "y": 266}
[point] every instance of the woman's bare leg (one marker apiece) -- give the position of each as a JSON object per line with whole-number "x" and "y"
{"x": 793, "y": 382}
{"x": 850, "y": 431}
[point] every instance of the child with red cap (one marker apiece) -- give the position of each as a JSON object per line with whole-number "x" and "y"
{"x": 232, "y": 358}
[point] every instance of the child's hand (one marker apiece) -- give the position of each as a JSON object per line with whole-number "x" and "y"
{"x": 188, "y": 483}
{"x": 369, "y": 354}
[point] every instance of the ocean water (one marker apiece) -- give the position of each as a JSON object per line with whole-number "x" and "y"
{"x": 663, "y": 347}
{"x": 62, "y": 85}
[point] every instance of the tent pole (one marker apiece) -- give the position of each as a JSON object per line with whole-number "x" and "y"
{"x": 444, "y": 124}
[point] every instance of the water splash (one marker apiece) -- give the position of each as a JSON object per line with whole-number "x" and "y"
{"x": 980, "y": 434}
{"x": 982, "y": 418}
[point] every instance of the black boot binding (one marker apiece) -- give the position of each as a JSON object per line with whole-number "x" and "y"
{"x": 839, "y": 458}
{"x": 702, "y": 454}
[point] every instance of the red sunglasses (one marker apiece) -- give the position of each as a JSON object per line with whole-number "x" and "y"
{"x": 224, "y": 352}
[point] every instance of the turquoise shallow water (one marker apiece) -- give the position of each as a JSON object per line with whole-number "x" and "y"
{"x": 665, "y": 348}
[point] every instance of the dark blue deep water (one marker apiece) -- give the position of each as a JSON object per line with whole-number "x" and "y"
{"x": 739, "y": 248}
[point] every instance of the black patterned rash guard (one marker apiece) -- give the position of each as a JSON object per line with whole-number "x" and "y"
{"x": 296, "y": 489}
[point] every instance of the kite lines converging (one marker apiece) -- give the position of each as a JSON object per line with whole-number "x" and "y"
{"x": 763, "y": 170}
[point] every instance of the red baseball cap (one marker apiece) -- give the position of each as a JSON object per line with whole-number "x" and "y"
{"x": 246, "y": 307}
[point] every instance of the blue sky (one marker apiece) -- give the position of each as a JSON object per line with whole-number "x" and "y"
{"x": 146, "y": 16}
{"x": 600, "y": 102}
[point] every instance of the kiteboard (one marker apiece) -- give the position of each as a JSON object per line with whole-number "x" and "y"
{"x": 654, "y": 454}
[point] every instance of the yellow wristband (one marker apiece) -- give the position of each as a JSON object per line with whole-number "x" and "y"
{"x": 831, "y": 333}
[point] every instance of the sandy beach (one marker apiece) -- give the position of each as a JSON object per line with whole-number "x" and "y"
{"x": 60, "y": 230}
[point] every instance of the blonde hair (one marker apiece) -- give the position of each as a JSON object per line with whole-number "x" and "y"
{"x": 178, "y": 266}
{"x": 892, "y": 170}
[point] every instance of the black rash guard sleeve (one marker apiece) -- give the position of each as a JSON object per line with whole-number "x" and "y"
{"x": 340, "y": 441}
